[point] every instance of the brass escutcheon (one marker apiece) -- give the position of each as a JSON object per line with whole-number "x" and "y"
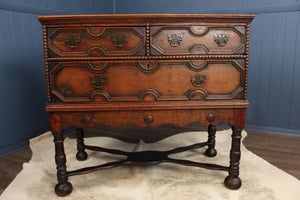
{"x": 98, "y": 82}
{"x": 198, "y": 80}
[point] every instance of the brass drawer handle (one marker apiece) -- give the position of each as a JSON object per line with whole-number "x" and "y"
{"x": 119, "y": 40}
{"x": 72, "y": 41}
{"x": 198, "y": 80}
{"x": 98, "y": 82}
{"x": 221, "y": 39}
{"x": 175, "y": 39}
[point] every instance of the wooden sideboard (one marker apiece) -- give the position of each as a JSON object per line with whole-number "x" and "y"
{"x": 146, "y": 70}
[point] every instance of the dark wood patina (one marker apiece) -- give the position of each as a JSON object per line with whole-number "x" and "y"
{"x": 146, "y": 70}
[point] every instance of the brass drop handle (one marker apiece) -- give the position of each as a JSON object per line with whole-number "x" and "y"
{"x": 97, "y": 81}
{"x": 72, "y": 41}
{"x": 198, "y": 80}
{"x": 175, "y": 39}
{"x": 119, "y": 40}
{"x": 221, "y": 39}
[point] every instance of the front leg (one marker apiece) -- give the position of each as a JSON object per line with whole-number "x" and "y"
{"x": 232, "y": 181}
{"x": 63, "y": 187}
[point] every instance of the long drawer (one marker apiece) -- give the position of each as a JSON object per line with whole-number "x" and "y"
{"x": 147, "y": 80}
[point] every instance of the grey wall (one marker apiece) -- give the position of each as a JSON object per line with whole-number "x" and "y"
{"x": 22, "y": 75}
{"x": 274, "y": 65}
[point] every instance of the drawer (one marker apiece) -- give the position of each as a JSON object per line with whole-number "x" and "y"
{"x": 147, "y": 81}
{"x": 190, "y": 40}
{"x": 96, "y": 41}
{"x": 146, "y": 118}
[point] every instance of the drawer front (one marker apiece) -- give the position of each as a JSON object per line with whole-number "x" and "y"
{"x": 147, "y": 81}
{"x": 96, "y": 41}
{"x": 146, "y": 118}
{"x": 190, "y": 40}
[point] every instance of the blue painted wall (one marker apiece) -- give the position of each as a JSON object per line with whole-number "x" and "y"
{"x": 22, "y": 75}
{"x": 274, "y": 65}
{"x": 204, "y": 6}
{"x": 274, "y": 73}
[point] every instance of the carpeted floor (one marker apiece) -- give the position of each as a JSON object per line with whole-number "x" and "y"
{"x": 261, "y": 180}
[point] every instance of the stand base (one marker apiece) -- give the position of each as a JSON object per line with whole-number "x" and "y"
{"x": 146, "y": 158}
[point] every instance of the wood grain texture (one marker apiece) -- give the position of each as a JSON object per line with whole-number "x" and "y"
{"x": 223, "y": 80}
{"x": 63, "y": 120}
{"x": 282, "y": 151}
{"x": 194, "y": 41}
{"x": 94, "y": 41}
{"x": 139, "y": 19}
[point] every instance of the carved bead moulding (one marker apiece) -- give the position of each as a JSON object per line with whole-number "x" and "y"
{"x": 90, "y": 79}
{"x": 98, "y": 41}
{"x": 173, "y": 40}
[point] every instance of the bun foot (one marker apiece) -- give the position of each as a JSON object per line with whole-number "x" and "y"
{"x": 63, "y": 189}
{"x": 210, "y": 152}
{"x": 81, "y": 156}
{"x": 233, "y": 183}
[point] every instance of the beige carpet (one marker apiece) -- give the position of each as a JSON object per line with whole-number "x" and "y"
{"x": 261, "y": 180}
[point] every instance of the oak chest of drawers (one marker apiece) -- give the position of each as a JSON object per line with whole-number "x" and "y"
{"x": 146, "y": 70}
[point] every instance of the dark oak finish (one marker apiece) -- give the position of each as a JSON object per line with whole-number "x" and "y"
{"x": 146, "y": 70}
{"x": 211, "y": 151}
{"x": 233, "y": 181}
{"x": 63, "y": 187}
{"x": 96, "y": 41}
{"x": 81, "y": 154}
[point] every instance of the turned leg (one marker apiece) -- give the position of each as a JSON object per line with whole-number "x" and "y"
{"x": 211, "y": 151}
{"x": 232, "y": 181}
{"x": 63, "y": 187}
{"x": 81, "y": 154}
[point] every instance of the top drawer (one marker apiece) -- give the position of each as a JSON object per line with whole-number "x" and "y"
{"x": 96, "y": 41}
{"x": 191, "y": 40}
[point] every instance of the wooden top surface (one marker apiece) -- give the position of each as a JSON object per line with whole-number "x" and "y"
{"x": 136, "y": 18}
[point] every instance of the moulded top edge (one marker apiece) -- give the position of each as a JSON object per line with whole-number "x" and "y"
{"x": 129, "y": 18}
